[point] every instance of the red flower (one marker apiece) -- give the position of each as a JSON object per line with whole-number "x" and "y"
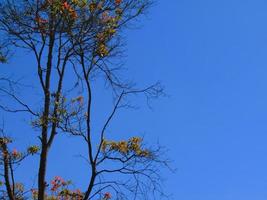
{"x": 15, "y": 153}
{"x": 107, "y": 196}
{"x": 66, "y": 5}
{"x": 73, "y": 14}
{"x": 40, "y": 20}
{"x": 118, "y": 2}
{"x": 57, "y": 182}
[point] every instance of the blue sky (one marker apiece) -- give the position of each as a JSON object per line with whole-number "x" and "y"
{"x": 211, "y": 57}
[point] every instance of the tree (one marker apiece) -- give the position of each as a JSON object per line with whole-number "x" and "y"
{"x": 83, "y": 37}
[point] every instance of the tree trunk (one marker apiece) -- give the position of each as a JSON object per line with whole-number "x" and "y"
{"x": 41, "y": 174}
{"x": 6, "y": 175}
{"x": 45, "y": 117}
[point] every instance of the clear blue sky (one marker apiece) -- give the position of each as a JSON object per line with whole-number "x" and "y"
{"x": 211, "y": 57}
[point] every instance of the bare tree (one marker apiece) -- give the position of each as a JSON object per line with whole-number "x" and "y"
{"x": 83, "y": 37}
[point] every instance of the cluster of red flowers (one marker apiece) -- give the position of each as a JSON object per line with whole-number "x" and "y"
{"x": 14, "y": 154}
{"x": 67, "y": 9}
{"x": 66, "y": 6}
{"x": 59, "y": 191}
{"x": 57, "y": 182}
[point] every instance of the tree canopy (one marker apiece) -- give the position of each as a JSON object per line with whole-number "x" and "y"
{"x": 82, "y": 38}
